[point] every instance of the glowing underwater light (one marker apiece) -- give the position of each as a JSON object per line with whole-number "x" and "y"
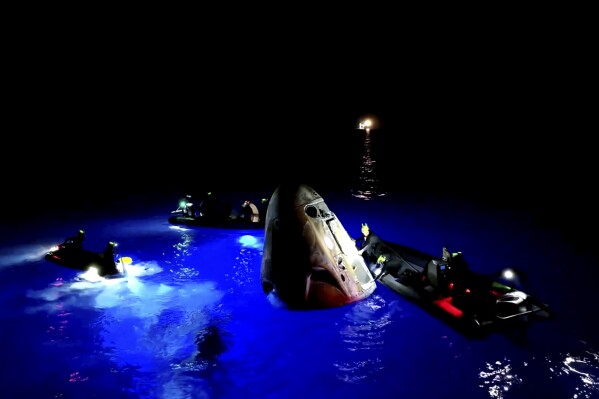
{"x": 248, "y": 240}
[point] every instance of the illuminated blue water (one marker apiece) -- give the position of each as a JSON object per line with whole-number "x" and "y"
{"x": 192, "y": 321}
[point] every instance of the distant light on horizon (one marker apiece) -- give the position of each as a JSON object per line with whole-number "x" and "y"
{"x": 367, "y": 123}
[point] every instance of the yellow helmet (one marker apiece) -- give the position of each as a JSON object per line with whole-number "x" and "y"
{"x": 365, "y": 228}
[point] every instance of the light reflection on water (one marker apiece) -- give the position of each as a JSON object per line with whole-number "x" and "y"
{"x": 573, "y": 376}
{"x": 147, "y": 326}
{"x": 368, "y": 183}
{"x": 249, "y": 255}
{"x": 143, "y": 338}
{"x": 582, "y": 370}
{"x": 155, "y": 332}
{"x": 363, "y": 333}
{"x": 498, "y": 378}
{"x": 184, "y": 248}
{"x": 242, "y": 272}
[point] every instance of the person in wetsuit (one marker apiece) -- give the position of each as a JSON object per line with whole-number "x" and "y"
{"x": 75, "y": 242}
{"x": 186, "y": 207}
{"x": 108, "y": 260}
{"x": 215, "y": 208}
{"x": 368, "y": 243}
{"x": 377, "y": 251}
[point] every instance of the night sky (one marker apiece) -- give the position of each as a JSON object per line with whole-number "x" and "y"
{"x": 111, "y": 131}
{"x": 152, "y": 140}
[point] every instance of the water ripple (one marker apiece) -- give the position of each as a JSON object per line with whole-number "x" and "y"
{"x": 498, "y": 378}
{"x": 571, "y": 376}
{"x": 367, "y": 185}
{"x": 580, "y": 371}
{"x": 363, "y": 333}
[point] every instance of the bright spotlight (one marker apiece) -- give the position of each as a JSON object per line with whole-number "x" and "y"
{"x": 508, "y": 274}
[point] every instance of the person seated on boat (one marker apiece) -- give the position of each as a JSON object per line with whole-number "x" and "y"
{"x": 185, "y": 207}
{"x": 76, "y": 241}
{"x": 448, "y": 256}
{"x": 368, "y": 242}
{"x": 250, "y": 211}
{"x": 213, "y": 208}
{"x": 381, "y": 262}
{"x": 457, "y": 275}
{"x": 457, "y": 265}
{"x": 109, "y": 260}
{"x": 393, "y": 264}
{"x": 180, "y": 205}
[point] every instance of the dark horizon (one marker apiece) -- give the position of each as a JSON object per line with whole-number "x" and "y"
{"x": 551, "y": 183}
{"x": 529, "y": 151}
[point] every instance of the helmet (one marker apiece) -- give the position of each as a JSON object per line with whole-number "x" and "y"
{"x": 365, "y": 228}
{"x": 81, "y": 232}
{"x": 112, "y": 244}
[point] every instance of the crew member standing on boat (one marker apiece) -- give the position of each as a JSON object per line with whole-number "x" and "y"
{"x": 190, "y": 208}
{"x": 109, "y": 267}
{"x": 186, "y": 207}
{"x": 380, "y": 253}
{"x": 368, "y": 242}
{"x": 75, "y": 242}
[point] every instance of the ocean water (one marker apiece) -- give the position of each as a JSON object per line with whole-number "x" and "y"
{"x": 191, "y": 321}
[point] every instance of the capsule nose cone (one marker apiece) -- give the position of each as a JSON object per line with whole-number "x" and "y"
{"x": 309, "y": 261}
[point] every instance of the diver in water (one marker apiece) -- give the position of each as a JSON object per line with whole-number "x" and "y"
{"x": 210, "y": 343}
{"x": 75, "y": 242}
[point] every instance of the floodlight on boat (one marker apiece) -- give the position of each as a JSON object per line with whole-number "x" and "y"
{"x": 508, "y": 274}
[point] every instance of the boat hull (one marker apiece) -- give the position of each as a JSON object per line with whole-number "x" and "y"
{"x": 472, "y": 302}
{"x": 83, "y": 260}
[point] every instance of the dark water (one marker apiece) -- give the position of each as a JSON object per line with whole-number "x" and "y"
{"x": 192, "y": 321}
